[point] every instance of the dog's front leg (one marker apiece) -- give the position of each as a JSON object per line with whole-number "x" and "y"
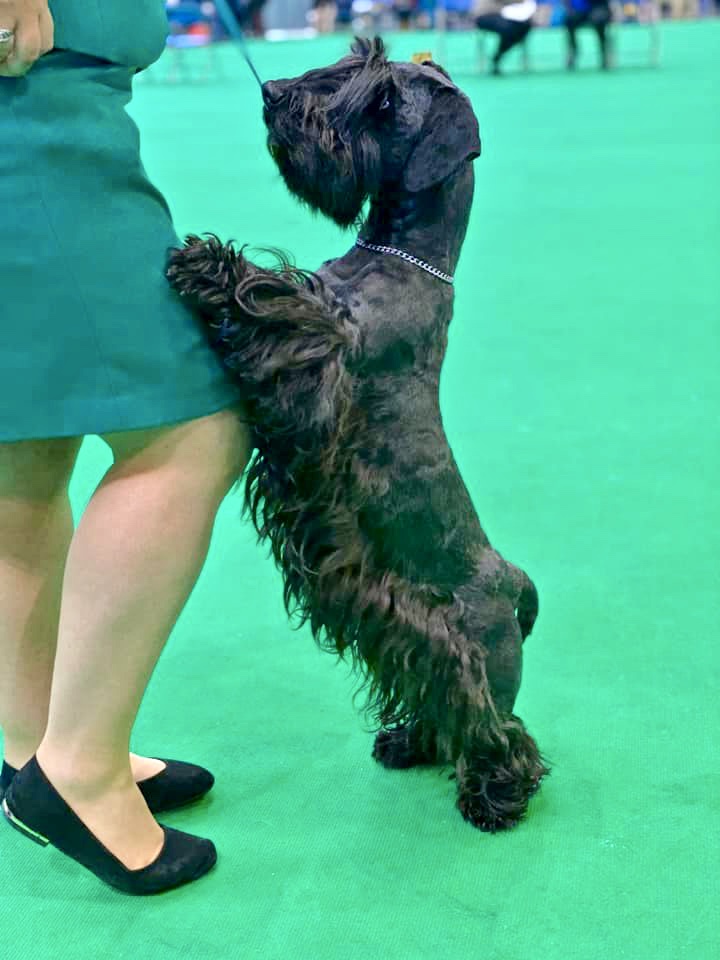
{"x": 281, "y": 334}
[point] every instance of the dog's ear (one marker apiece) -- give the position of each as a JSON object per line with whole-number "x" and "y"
{"x": 449, "y": 137}
{"x": 369, "y": 47}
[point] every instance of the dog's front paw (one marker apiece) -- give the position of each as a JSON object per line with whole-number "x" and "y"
{"x": 400, "y": 748}
{"x": 206, "y": 272}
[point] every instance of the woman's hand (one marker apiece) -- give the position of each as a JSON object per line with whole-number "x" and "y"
{"x": 32, "y": 25}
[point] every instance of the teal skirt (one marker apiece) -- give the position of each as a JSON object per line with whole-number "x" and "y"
{"x": 92, "y": 337}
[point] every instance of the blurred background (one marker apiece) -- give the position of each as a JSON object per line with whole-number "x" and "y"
{"x": 280, "y": 19}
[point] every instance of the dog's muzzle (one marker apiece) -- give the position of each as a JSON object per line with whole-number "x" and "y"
{"x": 272, "y": 93}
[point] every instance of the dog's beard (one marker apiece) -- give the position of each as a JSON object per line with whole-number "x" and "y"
{"x": 331, "y": 175}
{"x": 336, "y": 184}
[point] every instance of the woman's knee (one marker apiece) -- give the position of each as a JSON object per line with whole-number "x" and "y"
{"x": 38, "y": 469}
{"x": 211, "y": 451}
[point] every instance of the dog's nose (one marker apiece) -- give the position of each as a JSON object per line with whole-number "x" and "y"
{"x": 272, "y": 93}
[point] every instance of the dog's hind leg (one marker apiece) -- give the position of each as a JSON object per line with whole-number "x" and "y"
{"x": 404, "y": 746}
{"x": 462, "y": 689}
{"x": 500, "y": 766}
{"x": 459, "y": 677}
{"x": 464, "y": 652}
{"x": 498, "y": 776}
{"x": 526, "y": 602}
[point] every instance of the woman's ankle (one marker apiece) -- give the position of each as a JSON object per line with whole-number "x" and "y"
{"x": 87, "y": 773}
{"x": 17, "y": 752}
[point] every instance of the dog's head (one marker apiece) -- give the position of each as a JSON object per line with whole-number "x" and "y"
{"x": 342, "y": 133}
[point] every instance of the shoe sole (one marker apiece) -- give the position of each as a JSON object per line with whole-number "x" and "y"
{"x": 42, "y": 841}
{"x": 22, "y": 827}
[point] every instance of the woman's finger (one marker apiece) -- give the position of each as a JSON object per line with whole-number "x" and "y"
{"x": 47, "y": 31}
{"x": 26, "y": 50}
{"x": 7, "y": 45}
{"x": 6, "y": 48}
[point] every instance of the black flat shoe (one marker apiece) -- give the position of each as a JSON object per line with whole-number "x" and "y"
{"x": 6, "y": 778}
{"x": 177, "y": 785}
{"x": 34, "y": 807}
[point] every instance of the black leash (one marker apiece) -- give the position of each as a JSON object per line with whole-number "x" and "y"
{"x": 228, "y": 18}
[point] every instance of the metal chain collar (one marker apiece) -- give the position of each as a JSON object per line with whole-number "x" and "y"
{"x": 378, "y": 248}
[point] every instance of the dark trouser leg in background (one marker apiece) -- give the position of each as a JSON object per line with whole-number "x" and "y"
{"x": 510, "y": 38}
{"x": 572, "y": 22}
{"x": 509, "y": 31}
{"x": 600, "y": 19}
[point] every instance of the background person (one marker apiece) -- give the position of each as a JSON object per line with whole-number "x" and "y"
{"x": 592, "y": 13}
{"x": 512, "y": 22}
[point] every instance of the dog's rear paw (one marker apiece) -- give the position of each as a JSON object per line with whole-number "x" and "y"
{"x": 495, "y": 798}
{"x": 494, "y": 808}
{"x": 400, "y": 748}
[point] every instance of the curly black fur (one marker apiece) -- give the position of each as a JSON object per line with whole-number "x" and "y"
{"x": 353, "y": 483}
{"x": 337, "y": 111}
{"x": 404, "y": 746}
{"x": 495, "y": 782}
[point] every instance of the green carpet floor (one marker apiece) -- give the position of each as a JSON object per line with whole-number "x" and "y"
{"x": 580, "y": 399}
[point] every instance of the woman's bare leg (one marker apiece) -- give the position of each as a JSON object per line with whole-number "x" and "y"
{"x": 133, "y": 561}
{"x": 36, "y": 528}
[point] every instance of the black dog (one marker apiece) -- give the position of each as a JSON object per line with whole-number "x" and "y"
{"x": 354, "y": 483}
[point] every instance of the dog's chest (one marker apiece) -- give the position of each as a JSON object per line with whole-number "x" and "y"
{"x": 403, "y": 327}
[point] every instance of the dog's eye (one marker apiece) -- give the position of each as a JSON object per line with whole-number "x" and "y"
{"x": 385, "y": 104}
